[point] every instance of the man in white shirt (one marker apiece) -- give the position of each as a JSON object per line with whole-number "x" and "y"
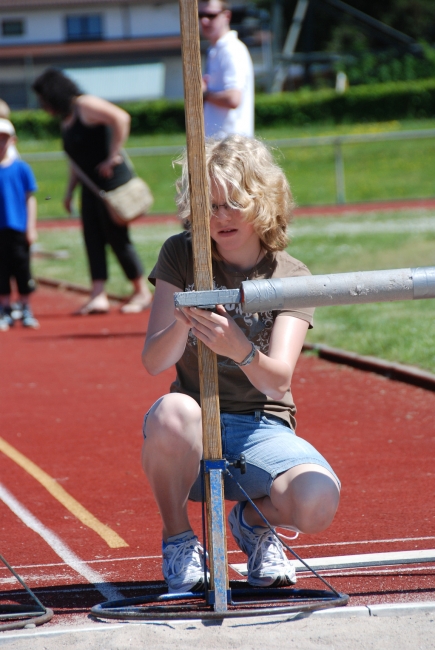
{"x": 228, "y": 83}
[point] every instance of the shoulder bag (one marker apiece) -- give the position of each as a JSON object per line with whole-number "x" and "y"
{"x": 127, "y": 202}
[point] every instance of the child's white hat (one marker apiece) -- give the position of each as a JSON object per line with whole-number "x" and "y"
{"x": 6, "y": 127}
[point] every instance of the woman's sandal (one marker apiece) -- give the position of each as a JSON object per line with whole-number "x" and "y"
{"x": 137, "y": 303}
{"x": 97, "y": 305}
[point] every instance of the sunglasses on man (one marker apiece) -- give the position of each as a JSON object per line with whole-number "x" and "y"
{"x": 205, "y": 14}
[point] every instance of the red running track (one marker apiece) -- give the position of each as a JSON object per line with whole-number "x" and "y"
{"x": 73, "y": 397}
{"x": 335, "y": 209}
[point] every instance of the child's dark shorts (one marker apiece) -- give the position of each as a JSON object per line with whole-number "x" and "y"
{"x": 15, "y": 262}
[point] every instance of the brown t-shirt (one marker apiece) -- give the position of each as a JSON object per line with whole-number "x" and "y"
{"x": 236, "y": 393}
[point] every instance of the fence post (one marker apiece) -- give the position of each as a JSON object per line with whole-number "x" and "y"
{"x": 340, "y": 188}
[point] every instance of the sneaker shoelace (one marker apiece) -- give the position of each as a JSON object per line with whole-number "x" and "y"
{"x": 185, "y": 553}
{"x": 267, "y": 552}
{"x": 295, "y": 536}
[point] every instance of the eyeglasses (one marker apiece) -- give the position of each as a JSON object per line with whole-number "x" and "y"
{"x": 203, "y": 14}
{"x": 215, "y": 208}
{"x": 227, "y": 209}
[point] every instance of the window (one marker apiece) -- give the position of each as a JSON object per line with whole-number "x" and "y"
{"x": 12, "y": 27}
{"x": 120, "y": 82}
{"x": 84, "y": 28}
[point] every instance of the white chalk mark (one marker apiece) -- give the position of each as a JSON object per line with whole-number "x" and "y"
{"x": 421, "y": 224}
{"x": 368, "y": 541}
{"x": 59, "y": 547}
{"x": 111, "y": 560}
{"x": 356, "y": 561}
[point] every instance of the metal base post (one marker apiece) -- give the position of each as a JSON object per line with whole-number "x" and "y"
{"x": 244, "y": 602}
{"x": 24, "y": 615}
{"x": 223, "y": 601}
{"x": 218, "y": 596}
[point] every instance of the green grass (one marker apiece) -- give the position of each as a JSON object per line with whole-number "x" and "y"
{"x": 401, "y": 331}
{"x": 373, "y": 171}
{"x": 276, "y": 132}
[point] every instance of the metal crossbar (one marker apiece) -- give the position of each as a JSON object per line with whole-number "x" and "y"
{"x": 319, "y": 290}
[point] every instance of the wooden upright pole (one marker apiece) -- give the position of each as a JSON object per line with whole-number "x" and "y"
{"x": 200, "y": 224}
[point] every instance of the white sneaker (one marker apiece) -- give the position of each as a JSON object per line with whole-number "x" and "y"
{"x": 6, "y": 320}
{"x": 268, "y": 566}
{"x": 28, "y": 319}
{"x": 183, "y": 563}
{"x": 4, "y": 325}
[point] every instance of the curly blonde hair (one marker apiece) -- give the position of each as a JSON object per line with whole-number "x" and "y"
{"x": 251, "y": 182}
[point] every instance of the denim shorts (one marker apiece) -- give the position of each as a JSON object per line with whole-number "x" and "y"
{"x": 270, "y": 448}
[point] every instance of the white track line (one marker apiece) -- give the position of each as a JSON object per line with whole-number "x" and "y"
{"x": 332, "y": 573}
{"x": 59, "y": 547}
{"x": 357, "y": 561}
{"x": 352, "y": 573}
{"x": 417, "y": 224}
{"x": 372, "y": 572}
{"x": 85, "y": 589}
{"x": 109, "y": 560}
{"x": 367, "y": 541}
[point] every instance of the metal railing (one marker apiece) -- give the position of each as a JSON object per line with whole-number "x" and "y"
{"x": 336, "y": 141}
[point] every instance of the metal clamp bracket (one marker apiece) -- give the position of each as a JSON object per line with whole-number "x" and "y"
{"x": 215, "y": 464}
{"x": 222, "y": 465}
{"x": 240, "y": 464}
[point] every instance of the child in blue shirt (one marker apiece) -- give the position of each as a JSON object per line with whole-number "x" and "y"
{"x": 17, "y": 231}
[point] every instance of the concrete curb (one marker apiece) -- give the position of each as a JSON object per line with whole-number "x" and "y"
{"x": 388, "y": 609}
{"x": 384, "y": 609}
{"x": 64, "y": 285}
{"x": 395, "y": 371}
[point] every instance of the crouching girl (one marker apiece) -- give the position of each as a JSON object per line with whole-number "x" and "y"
{"x": 287, "y": 478}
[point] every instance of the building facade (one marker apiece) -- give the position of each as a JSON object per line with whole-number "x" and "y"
{"x": 118, "y": 49}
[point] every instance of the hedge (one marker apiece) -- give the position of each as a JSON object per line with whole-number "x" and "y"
{"x": 160, "y": 116}
{"x": 35, "y": 124}
{"x": 369, "y": 103}
{"x": 374, "y": 103}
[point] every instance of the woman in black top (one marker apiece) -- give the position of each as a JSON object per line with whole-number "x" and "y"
{"x": 93, "y": 133}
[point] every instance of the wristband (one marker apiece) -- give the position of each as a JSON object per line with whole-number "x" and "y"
{"x": 250, "y": 357}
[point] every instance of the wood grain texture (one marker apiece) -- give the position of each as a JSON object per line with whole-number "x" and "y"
{"x": 203, "y": 276}
{"x": 200, "y": 211}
